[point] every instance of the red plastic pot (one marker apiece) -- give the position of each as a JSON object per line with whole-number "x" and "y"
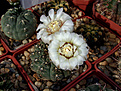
{"x": 105, "y": 21}
{"x": 104, "y": 57}
{"x": 20, "y": 70}
{"x": 29, "y": 80}
{"x": 85, "y": 5}
{"x": 99, "y": 75}
{"x": 6, "y": 51}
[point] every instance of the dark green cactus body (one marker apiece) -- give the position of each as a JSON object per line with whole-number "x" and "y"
{"x": 92, "y": 32}
{"x": 43, "y": 66}
{"x": 18, "y": 23}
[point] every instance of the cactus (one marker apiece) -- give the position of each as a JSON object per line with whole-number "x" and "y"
{"x": 97, "y": 87}
{"x": 43, "y": 66}
{"x": 18, "y": 23}
{"x": 92, "y": 32}
{"x": 43, "y": 8}
{"x": 53, "y": 4}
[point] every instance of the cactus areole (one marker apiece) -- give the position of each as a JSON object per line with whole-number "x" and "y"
{"x": 18, "y": 23}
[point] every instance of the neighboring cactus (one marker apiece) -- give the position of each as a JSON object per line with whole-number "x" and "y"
{"x": 43, "y": 8}
{"x": 18, "y": 23}
{"x": 97, "y": 87}
{"x": 43, "y": 66}
{"x": 92, "y": 32}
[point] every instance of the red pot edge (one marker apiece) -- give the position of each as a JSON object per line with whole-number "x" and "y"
{"x": 23, "y": 73}
{"x": 13, "y": 51}
{"x": 6, "y": 51}
{"x": 83, "y": 2}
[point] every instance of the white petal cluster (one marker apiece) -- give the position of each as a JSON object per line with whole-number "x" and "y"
{"x": 54, "y": 23}
{"x": 68, "y": 50}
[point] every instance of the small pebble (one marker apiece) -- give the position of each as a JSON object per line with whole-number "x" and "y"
{"x": 7, "y": 70}
{"x": 19, "y": 78}
{"x": 95, "y": 58}
{"x": 112, "y": 36}
{"x": 2, "y": 48}
{"x": 82, "y": 82}
{"x": 22, "y": 63}
{"x": 25, "y": 41}
{"x": 109, "y": 60}
{"x": 26, "y": 53}
{"x": 114, "y": 65}
{"x": 46, "y": 90}
{"x": 72, "y": 89}
{"x": 103, "y": 63}
{"x": 1, "y": 53}
{"x": 38, "y": 84}
{"x": 49, "y": 83}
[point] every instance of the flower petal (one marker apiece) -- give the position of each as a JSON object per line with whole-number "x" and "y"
{"x": 44, "y": 19}
{"x": 80, "y": 60}
{"x": 39, "y": 34}
{"x": 46, "y": 38}
{"x": 65, "y": 65}
{"x": 68, "y": 22}
{"x": 73, "y": 63}
{"x": 66, "y": 28}
{"x": 64, "y": 17}
{"x": 40, "y": 26}
{"x": 51, "y": 14}
{"x": 59, "y": 13}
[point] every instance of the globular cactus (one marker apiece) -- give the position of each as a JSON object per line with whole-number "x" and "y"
{"x": 43, "y": 8}
{"x": 92, "y": 32}
{"x": 43, "y": 66}
{"x": 97, "y": 87}
{"x": 18, "y": 23}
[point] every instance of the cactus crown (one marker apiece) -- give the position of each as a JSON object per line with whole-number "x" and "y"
{"x": 18, "y": 23}
{"x": 42, "y": 65}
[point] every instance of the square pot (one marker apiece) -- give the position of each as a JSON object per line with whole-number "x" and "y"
{"x": 110, "y": 66}
{"x": 25, "y": 62}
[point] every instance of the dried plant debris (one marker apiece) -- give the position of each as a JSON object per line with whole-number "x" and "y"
{"x": 110, "y": 9}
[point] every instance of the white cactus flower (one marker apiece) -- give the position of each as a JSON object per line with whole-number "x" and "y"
{"x": 68, "y": 50}
{"x": 53, "y": 23}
